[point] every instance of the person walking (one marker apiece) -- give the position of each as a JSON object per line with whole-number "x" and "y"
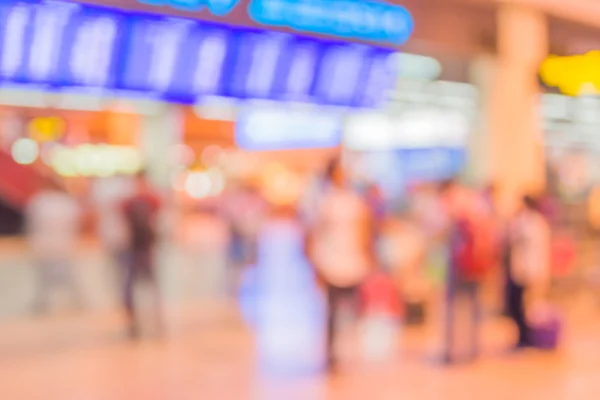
{"x": 108, "y": 195}
{"x": 341, "y": 246}
{"x": 53, "y": 224}
{"x": 140, "y": 212}
{"x": 245, "y": 210}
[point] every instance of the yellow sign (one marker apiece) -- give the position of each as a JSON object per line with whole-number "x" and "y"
{"x": 46, "y": 129}
{"x": 573, "y": 75}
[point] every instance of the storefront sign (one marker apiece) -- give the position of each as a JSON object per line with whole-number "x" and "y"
{"x": 67, "y": 46}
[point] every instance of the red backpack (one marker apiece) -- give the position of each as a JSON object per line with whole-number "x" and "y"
{"x": 379, "y": 295}
{"x": 475, "y": 251}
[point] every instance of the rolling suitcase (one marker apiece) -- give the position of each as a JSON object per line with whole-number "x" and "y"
{"x": 545, "y": 335}
{"x": 381, "y": 310}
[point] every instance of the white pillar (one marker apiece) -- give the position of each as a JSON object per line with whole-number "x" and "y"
{"x": 158, "y": 134}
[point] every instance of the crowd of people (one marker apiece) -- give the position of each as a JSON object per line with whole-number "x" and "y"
{"x": 379, "y": 259}
{"x": 385, "y": 262}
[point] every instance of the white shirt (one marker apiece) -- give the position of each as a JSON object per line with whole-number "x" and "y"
{"x": 530, "y": 258}
{"x": 109, "y": 193}
{"x": 339, "y": 249}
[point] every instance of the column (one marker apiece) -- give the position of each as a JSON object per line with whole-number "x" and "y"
{"x": 481, "y": 74}
{"x": 159, "y": 132}
{"x": 515, "y": 147}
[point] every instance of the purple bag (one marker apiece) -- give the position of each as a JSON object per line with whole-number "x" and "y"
{"x": 546, "y": 335}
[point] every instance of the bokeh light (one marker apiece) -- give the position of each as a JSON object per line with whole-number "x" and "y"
{"x": 25, "y": 151}
{"x": 198, "y": 185}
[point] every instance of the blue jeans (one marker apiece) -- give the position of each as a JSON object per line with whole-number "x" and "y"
{"x": 455, "y": 290}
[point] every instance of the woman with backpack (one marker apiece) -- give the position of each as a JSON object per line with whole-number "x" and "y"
{"x": 472, "y": 249}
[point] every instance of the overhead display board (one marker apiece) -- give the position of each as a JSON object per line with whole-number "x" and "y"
{"x": 68, "y": 46}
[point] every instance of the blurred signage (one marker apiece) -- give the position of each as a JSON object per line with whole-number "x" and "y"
{"x": 457, "y": 96}
{"x": 572, "y": 75}
{"x": 417, "y": 128}
{"x": 395, "y": 169}
{"x": 279, "y": 129}
{"x": 215, "y": 7}
{"x": 350, "y": 19}
{"x": 94, "y": 160}
{"x": 46, "y": 129}
{"x": 419, "y": 114}
{"x": 364, "y": 20}
{"x": 472, "y": 25}
{"x": 431, "y": 164}
{"x": 418, "y": 67}
{"x": 571, "y": 121}
{"x": 67, "y": 46}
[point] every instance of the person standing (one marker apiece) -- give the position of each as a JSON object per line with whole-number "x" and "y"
{"x": 53, "y": 223}
{"x": 140, "y": 212}
{"x": 529, "y": 265}
{"x": 472, "y": 251}
{"x": 341, "y": 246}
{"x": 245, "y": 210}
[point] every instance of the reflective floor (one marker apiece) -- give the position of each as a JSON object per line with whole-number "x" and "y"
{"x": 208, "y": 353}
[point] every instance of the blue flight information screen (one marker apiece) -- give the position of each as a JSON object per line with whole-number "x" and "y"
{"x": 60, "y": 45}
